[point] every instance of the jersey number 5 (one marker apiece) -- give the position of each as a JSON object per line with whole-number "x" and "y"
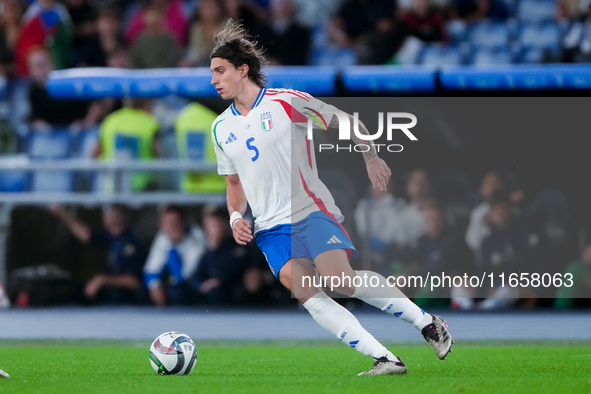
{"x": 252, "y": 147}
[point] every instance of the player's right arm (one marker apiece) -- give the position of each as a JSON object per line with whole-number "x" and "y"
{"x": 237, "y": 202}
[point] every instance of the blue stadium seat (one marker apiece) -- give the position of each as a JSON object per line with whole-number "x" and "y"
{"x": 540, "y": 35}
{"x": 536, "y": 10}
{"x": 333, "y": 55}
{"x": 457, "y": 30}
{"x": 53, "y": 145}
{"x": 49, "y": 145}
{"x": 489, "y": 34}
{"x": 534, "y": 55}
{"x": 441, "y": 55}
{"x": 491, "y": 57}
{"x": 12, "y": 181}
{"x": 323, "y": 53}
{"x": 531, "y": 55}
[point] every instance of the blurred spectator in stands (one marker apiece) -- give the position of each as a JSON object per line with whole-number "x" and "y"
{"x": 576, "y": 43}
{"x": 122, "y": 282}
{"x": 193, "y": 136}
{"x": 425, "y": 22}
{"x": 48, "y": 112}
{"x": 475, "y": 10}
{"x": 239, "y": 11}
{"x": 285, "y": 40}
{"x": 46, "y": 23}
{"x": 10, "y": 23}
{"x": 222, "y": 267}
{"x": 84, "y": 15}
{"x": 510, "y": 246}
{"x": 412, "y": 220}
{"x": 254, "y": 289}
{"x": 208, "y": 21}
{"x": 477, "y": 229}
{"x": 174, "y": 22}
{"x": 259, "y": 286}
{"x": 154, "y": 47}
{"x": 550, "y": 214}
{"x": 130, "y": 133}
{"x": 173, "y": 258}
{"x": 106, "y": 39}
{"x": 440, "y": 249}
{"x": 385, "y": 41}
{"x": 578, "y": 291}
{"x": 568, "y": 10}
{"x": 118, "y": 58}
{"x": 358, "y": 18}
{"x": 378, "y": 222}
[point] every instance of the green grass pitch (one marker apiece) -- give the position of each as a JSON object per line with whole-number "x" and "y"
{"x": 295, "y": 367}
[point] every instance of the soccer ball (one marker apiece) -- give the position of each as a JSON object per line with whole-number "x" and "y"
{"x": 173, "y": 353}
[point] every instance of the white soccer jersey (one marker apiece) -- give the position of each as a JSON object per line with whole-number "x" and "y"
{"x": 269, "y": 150}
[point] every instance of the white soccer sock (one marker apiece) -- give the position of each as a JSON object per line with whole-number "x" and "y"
{"x": 341, "y": 323}
{"x": 379, "y": 293}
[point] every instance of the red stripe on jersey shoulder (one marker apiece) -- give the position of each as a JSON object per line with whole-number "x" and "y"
{"x": 295, "y": 115}
{"x": 325, "y": 210}
{"x": 302, "y": 95}
{"x": 320, "y": 116}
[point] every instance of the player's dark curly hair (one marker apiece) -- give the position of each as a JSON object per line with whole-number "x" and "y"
{"x": 236, "y": 46}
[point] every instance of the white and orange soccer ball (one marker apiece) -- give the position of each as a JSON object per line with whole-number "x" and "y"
{"x": 173, "y": 353}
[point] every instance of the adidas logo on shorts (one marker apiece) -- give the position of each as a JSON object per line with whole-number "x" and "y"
{"x": 334, "y": 240}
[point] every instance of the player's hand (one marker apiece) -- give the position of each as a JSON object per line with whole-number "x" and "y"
{"x": 242, "y": 231}
{"x": 379, "y": 173}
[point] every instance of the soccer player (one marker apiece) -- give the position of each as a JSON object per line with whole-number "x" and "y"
{"x": 268, "y": 162}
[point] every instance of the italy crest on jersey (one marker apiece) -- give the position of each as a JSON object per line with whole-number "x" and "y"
{"x": 266, "y": 121}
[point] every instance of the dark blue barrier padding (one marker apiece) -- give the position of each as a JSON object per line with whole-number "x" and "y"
{"x": 518, "y": 77}
{"x": 187, "y": 82}
{"x": 89, "y": 83}
{"x": 384, "y": 79}
{"x": 92, "y": 83}
{"x": 196, "y": 82}
{"x": 318, "y": 81}
{"x": 111, "y": 82}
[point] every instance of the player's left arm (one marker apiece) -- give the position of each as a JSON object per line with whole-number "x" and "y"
{"x": 378, "y": 171}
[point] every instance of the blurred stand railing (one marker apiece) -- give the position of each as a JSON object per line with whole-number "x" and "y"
{"x": 120, "y": 171}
